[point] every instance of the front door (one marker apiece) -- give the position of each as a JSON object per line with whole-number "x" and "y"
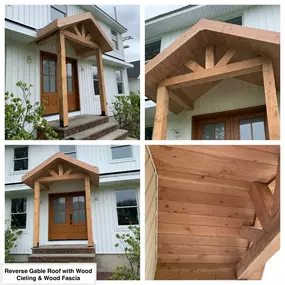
{"x": 49, "y": 90}
{"x": 67, "y": 216}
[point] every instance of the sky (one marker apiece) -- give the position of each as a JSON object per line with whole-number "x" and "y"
{"x": 129, "y": 17}
{"x": 154, "y": 10}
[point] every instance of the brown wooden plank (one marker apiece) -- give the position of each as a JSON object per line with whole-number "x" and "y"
{"x": 193, "y": 266}
{"x": 88, "y": 211}
{"x": 257, "y": 197}
{"x": 250, "y": 233}
{"x": 216, "y": 73}
{"x": 102, "y": 90}
{"x": 36, "y": 236}
{"x": 52, "y": 172}
{"x": 202, "y": 240}
{"x": 161, "y": 114}
{"x": 272, "y": 108}
{"x": 61, "y": 80}
{"x": 197, "y": 249}
{"x": 209, "y": 56}
{"x": 80, "y": 40}
{"x": 173, "y": 194}
{"x": 75, "y": 27}
{"x": 226, "y": 58}
{"x": 200, "y": 209}
{"x": 276, "y": 201}
{"x": 262, "y": 250}
{"x": 193, "y": 65}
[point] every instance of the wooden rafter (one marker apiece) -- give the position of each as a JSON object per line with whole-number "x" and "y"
{"x": 210, "y": 56}
{"x": 193, "y": 65}
{"x": 226, "y": 58}
{"x": 83, "y": 31}
{"x": 75, "y": 27}
{"x": 88, "y": 37}
{"x": 68, "y": 171}
{"x": 52, "y": 172}
{"x": 250, "y": 233}
{"x": 216, "y": 73}
{"x": 60, "y": 169}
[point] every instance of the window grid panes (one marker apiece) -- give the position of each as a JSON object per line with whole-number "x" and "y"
{"x": 152, "y": 49}
{"x": 214, "y": 131}
{"x": 95, "y": 80}
{"x": 69, "y": 81}
{"x": 120, "y": 85}
{"x": 78, "y": 205}
{"x": 127, "y": 208}
{"x": 68, "y": 150}
{"x": 49, "y": 76}
{"x": 121, "y": 152}
{"x": 59, "y": 211}
{"x": 21, "y": 160}
{"x": 252, "y": 129}
{"x": 114, "y": 39}
{"x": 18, "y": 213}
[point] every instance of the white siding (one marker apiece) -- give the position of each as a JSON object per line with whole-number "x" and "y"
{"x": 99, "y": 156}
{"x": 35, "y": 16}
{"x": 134, "y": 85}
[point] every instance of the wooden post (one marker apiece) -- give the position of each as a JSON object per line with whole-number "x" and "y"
{"x": 102, "y": 90}
{"x": 271, "y": 101}
{"x": 36, "y": 214}
{"x": 210, "y": 56}
{"x": 88, "y": 211}
{"x": 161, "y": 114}
{"x": 61, "y": 80}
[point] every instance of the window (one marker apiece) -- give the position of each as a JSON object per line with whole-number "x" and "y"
{"x": 95, "y": 80}
{"x": 121, "y": 152}
{"x": 245, "y": 124}
{"x": 152, "y": 49}
{"x": 120, "y": 84}
{"x": 49, "y": 75}
{"x": 148, "y": 133}
{"x": 235, "y": 21}
{"x": 68, "y": 150}
{"x": 114, "y": 39}
{"x": 18, "y": 213}
{"x": 69, "y": 78}
{"x": 57, "y": 11}
{"x": 127, "y": 208}
{"x": 21, "y": 160}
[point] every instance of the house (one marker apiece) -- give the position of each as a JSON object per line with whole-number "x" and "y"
{"x": 134, "y": 76}
{"x": 72, "y": 200}
{"x": 214, "y": 73}
{"x": 73, "y": 55}
{"x": 212, "y": 211}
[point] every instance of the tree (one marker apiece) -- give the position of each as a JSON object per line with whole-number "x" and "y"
{"x": 20, "y": 112}
{"x": 126, "y": 111}
{"x": 130, "y": 244}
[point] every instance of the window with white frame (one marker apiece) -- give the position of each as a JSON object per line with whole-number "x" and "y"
{"x": 121, "y": 152}
{"x": 115, "y": 39}
{"x": 127, "y": 207}
{"x": 120, "y": 83}
{"x": 57, "y": 11}
{"x": 21, "y": 158}
{"x": 68, "y": 150}
{"x": 19, "y": 213}
{"x": 95, "y": 80}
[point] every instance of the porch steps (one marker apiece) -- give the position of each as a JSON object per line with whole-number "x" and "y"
{"x": 63, "y": 253}
{"x": 89, "y": 127}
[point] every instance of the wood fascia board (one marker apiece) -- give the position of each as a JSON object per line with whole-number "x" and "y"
{"x": 216, "y": 73}
{"x": 251, "y": 233}
{"x": 257, "y": 198}
{"x": 262, "y": 250}
{"x": 194, "y": 66}
{"x": 226, "y": 58}
{"x": 81, "y": 40}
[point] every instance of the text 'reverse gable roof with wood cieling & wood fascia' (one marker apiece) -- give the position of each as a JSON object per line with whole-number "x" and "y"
{"x": 186, "y": 55}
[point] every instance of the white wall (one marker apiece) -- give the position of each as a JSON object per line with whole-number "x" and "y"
{"x": 134, "y": 85}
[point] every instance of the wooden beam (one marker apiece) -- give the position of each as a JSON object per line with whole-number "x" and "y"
{"x": 210, "y": 56}
{"x": 52, "y": 172}
{"x": 276, "y": 197}
{"x": 61, "y": 80}
{"x": 76, "y": 30}
{"x": 80, "y": 40}
{"x": 250, "y": 233}
{"x": 68, "y": 171}
{"x": 88, "y": 211}
{"x": 43, "y": 187}
{"x": 36, "y": 214}
{"x": 262, "y": 250}
{"x": 271, "y": 101}
{"x": 83, "y": 30}
{"x": 60, "y": 169}
{"x": 193, "y": 65}
{"x": 61, "y": 178}
{"x": 216, "y": 73}
{"x": 88, "y": 37}
{"x": 102, "y": 90}
{"x": 257, "y": 198}
{"x": 226, "y": 58}
{"x": 175, "y": 96}
{"x": 161, "y": 114}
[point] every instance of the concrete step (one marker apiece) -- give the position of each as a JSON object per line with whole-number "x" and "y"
{"x": 78, "y": 124}
{"x": 95, "y": 132}
{"x": 62, "y": 258}
{"x": 64, "y": 249}
{"x": 118, "y": 134}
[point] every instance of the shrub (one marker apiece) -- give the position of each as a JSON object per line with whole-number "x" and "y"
{"x": 19, "y": 113}
{"x": 130, "y": 244}
{"x": 126, "y": 110}
{"x": 11, "y": 236}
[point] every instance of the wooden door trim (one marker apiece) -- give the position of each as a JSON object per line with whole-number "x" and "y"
{"x": 244, "y": 111}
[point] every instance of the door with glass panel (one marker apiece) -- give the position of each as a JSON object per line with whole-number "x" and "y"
{"x": 49, "y": 90}
{"x": 67, "y": 217}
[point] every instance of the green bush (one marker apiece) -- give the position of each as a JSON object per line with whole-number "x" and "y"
{"x": 126, "y": 110}
{"x": 130, "y": 244}
{"x": 11, "y": 236}
{"x": 19, "y": 113}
